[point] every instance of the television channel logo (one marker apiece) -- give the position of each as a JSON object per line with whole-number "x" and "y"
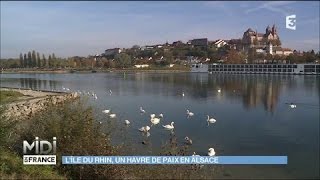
{"x": 291, "y": 22}
{"x": 40, "y": 152}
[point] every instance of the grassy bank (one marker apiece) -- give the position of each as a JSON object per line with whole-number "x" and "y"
{"x": 9, "y": 96}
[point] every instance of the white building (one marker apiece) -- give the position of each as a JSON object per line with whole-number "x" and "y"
{"x": 220, "y": 43}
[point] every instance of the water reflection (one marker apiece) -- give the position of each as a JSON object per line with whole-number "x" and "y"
{"x": 251, "y": 90}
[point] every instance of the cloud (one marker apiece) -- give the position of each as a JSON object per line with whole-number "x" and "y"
{"x": 274, "y": 6}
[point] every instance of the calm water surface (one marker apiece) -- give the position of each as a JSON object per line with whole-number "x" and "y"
{"x": 253, "y": 117}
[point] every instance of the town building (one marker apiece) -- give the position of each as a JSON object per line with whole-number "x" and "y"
{"x": 200, "y": 42}
{"x": 112, "y": 52}
{"x": 220, "y": 43}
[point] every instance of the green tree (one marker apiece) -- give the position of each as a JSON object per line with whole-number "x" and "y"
{"x": 25, "y": 61}
{"x": 123, "y": 60}
{"x": 34, "y": 58}
{"x": 44, "y": 61}
{"x": 49, "y": 61}
{"x": 290, "y": 59}
{"x": 29, "y": 60}
{"x": 38, "y": 60}
{"x": 21, "y": 60}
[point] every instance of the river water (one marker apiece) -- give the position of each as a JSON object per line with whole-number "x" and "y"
{"x": 252, "y": 112}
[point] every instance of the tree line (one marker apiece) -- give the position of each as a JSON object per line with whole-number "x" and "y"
{"x": 33, "y": 59}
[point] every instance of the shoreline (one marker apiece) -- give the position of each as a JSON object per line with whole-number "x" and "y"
{"x": 95, "y": 71}
{"x": 34, "y": 101}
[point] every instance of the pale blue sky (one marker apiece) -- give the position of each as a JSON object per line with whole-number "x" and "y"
{"x": 83, "y": 28}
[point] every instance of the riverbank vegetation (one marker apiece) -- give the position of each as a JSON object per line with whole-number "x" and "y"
{"x": 79, "y": 133}
{"x": 9, "y": 96}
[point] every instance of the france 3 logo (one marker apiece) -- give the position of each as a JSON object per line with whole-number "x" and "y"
{"x": 40, "y": 152}
{"x": 291, "y": 22}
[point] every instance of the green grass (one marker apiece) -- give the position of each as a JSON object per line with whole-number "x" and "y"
{"x": 9, "y": 96}
{"x": 11, "y": 167}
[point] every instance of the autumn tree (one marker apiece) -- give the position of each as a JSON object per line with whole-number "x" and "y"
{"x": 234, "y": 57}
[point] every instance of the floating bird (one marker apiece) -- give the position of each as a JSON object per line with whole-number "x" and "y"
{"x": 211, "y": 152}
{"x": 219, "y": 90}
{"x": 194, "y": 154}
{"x": 188, "y": 140}
{"x": 145, "y": 142}
{"x": 155, "y": 121}
{"x": 189, "y": 113}
{"x": 292, "y": 105}
{"x": 106, "y": 111}
{"x": 112, "y": 115}
{"x": 169, "y": 126}
{"x": 182, "y": 94}
{"x": 127, "y": 122}
{"x": 100, "y": 122}
{"x": 161, "y": 115}
{"x": 211, "y": 120}
{"x": 110, "y": 92}
{"x": 95, "y": 96}
{"x": 152, "y": 116}
{"x": 144, "y": 129}
{"x": 142, "y": 110}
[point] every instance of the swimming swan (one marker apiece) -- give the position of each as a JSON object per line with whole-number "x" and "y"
{"x": 155, "y": 121}
{"x": 169, "y": 126}
{"x": 211, "y": 120}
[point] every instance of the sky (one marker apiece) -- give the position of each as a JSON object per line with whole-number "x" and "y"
{"x": 82, "y": 28}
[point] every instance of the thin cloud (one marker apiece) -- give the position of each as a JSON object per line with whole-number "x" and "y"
{"x": 274, "y": 6}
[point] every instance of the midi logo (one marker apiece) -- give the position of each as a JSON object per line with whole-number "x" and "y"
{"x": 40, "y": 152}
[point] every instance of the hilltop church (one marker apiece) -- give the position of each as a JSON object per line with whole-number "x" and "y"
{"x": 253, "y": 39}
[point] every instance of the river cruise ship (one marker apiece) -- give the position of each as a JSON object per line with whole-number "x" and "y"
{"x": 257, "y": 68}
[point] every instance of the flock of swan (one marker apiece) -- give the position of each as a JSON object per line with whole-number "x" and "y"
{"x": 156, "y": 119}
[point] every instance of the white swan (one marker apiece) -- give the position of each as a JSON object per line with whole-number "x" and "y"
{"x": 155, "y": 120}
{"x": 144, "y": 129}
{"x": 127, "y": 122}
{"x": 152, "y": 116}
{"x": 169, "y": 126}
{"x": 194, "y": 154}
{"x": 107, "y": 111}
{"x": 293, "y": 105}
{"x": 189, "y": 113}
{"x": 112, "y": 115}
{"x": 211, "y": 120}
{"x": 211, "y": 152}
{"x": 142, "y": 110}
{"x": 188, "y": 140}
{"x": 161, "y": 115}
